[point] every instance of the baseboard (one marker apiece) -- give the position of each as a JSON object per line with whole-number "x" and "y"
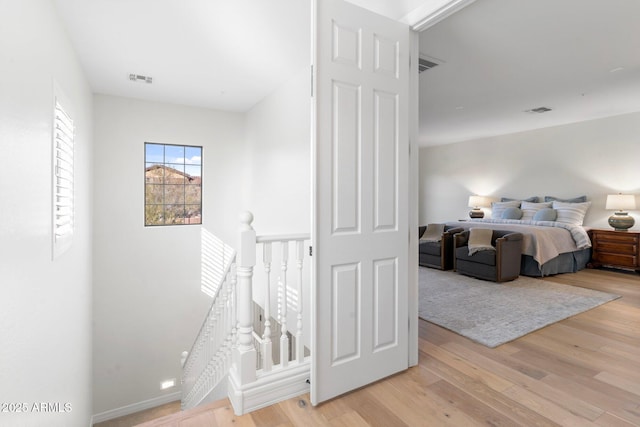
{"x": 270, "y": 388}
{"x": 136, "y": 407}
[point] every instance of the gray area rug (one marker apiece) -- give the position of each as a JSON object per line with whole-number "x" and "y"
{"x": 495, "y": 313}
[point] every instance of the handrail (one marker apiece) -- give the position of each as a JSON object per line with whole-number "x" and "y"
{"x": 283, "y": 237}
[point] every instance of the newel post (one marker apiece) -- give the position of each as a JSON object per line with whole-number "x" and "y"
{"x": 245, "y": 353}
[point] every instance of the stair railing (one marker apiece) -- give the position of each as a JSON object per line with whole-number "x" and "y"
{"x": 209, "y": 359}
{"x": 227, "y": 342}
{"x": 251, "y": 388}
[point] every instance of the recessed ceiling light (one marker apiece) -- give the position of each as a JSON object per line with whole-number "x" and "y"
{"x": 140, "y": 78}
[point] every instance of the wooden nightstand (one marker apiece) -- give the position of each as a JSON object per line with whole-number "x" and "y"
{"x": 620, "y": 249}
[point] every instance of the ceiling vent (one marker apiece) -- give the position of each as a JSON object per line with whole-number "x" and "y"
{"x": 538, "y": 110}
{"x": 425, "y": 64}
{"x": 139, "y": 78}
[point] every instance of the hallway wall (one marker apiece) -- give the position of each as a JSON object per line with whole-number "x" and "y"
{"x": 45, "y": 307}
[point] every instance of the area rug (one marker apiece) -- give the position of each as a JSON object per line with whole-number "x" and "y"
{"x": 495, "y": 313}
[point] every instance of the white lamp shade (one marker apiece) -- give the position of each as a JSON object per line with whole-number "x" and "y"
{"x": 478, "y": 202}
{"x": 621, "y": 202}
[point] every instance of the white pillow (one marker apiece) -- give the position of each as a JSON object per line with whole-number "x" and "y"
{"x": 529, "y": 209}
{"x": 433, "y": 233}
{"x": 480, "y": 240}
{"x": 498, "y": 208}
{"x": 571, "y": 213}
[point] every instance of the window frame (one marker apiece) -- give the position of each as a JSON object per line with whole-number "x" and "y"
{"x": 165, "y": 165}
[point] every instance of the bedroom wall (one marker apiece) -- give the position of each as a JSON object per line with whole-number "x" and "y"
{"x": 45, "y": 306}
{"x": 148, "y": 303}
{"x": 592, "y": 158}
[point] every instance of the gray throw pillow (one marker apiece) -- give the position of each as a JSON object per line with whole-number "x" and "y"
{"x": 512, "y": 213}
{"x": 532, "y": 199}
{"x": 579, "y": 199}
{"x": 546, "y": 214}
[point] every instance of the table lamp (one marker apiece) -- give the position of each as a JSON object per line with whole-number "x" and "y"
{"x": 620, "y": 220}
{"x": 476, "y": 202}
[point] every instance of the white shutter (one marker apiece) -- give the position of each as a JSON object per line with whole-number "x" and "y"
{"x": 63, "y": 146}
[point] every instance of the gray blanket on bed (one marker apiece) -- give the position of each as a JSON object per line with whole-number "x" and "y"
{"x": 542, "y": 240}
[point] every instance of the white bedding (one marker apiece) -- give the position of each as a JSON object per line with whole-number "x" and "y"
{"x": 542, "y": 240}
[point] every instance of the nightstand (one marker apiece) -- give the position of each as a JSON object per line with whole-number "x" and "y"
{"x": 620, "y": 249}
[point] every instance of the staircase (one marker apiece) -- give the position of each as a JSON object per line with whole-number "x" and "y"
{"x": 253, "y": 345}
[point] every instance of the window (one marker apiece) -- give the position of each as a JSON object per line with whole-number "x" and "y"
{"x": 173, "y": 184}
{"x": 62, "y": 178}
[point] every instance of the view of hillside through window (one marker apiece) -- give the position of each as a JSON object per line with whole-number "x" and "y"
{"x": 173, "y": 184}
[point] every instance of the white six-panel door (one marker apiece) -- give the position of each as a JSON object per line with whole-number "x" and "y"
{"x": 361, "y": 228}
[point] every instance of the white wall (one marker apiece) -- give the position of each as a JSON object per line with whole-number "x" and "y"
{"x": 45, "y": 306}
{"x": 279, "y": 146}
{"x": 148, "y": 305}
{"x": 592, "y": 158}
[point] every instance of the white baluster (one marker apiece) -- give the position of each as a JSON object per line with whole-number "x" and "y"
{"x": 183, "y": 358}
{"x": 215, "y": 333}
{"x": 232, "y": 315}
{"x": 227, "y": 322}
{"x": 234, "y": 308}
{"x": 266, "y": 338}
{"x": 223, "y": 326}
{"x": 299, "y": 261}
{"x": 244, "y": 368}
{"x": 284, "y": 338}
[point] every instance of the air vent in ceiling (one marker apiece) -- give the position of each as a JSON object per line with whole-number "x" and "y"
{"x": 139, "y": 78}
{"x": 426, "y": 64}
{"x": 538, "y": 110}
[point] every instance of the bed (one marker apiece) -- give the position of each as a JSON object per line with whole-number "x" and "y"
{"x": 549, "y": 247}
{"x": 554, "y": 239}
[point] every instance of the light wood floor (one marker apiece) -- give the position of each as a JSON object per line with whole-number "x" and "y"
{"x": 583, "y": 371}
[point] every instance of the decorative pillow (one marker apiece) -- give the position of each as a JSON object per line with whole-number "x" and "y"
{"x": 433, "y": 233}
{"x": 530, "y": 209}
{"x": 512, "y": 213}
{"x": 579, "y": 199}
{"x": 546, "y": 214}
{"x": 571, "y": 213}
{"x": 533, "y": 199}
{"x": 499, "y": 207}
{"x": 480, "y": 240}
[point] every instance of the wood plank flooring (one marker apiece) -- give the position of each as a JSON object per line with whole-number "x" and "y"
{"x": 583, "y": 371}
